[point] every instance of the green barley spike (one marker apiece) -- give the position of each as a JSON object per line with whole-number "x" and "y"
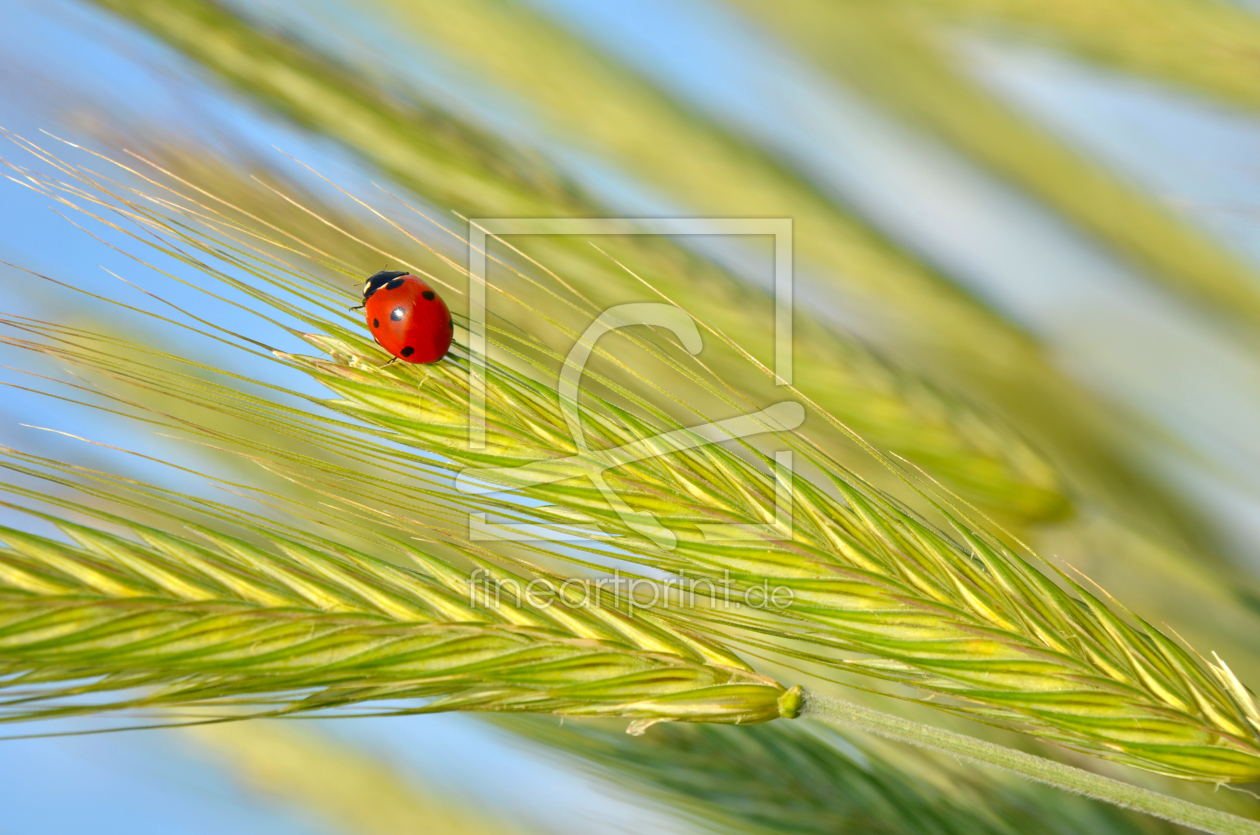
{"x": 108, "y": 614}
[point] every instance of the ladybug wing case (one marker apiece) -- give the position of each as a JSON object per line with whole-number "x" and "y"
{"x": 408, "y": 319}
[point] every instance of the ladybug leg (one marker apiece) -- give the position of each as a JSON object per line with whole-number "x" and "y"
{"x": 391, "y": 362}
{"x": 357, "y": 307}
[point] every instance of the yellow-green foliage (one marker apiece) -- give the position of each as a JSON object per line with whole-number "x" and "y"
{"x": 293, "y": 626}
{"x": 956, "y": 614}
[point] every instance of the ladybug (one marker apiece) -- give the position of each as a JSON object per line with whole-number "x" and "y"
{"x": 406, "y": 317}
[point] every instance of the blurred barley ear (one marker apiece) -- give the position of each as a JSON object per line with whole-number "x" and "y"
{"x": 902, "y": 60}
{"x": 969, "y": 749}
{"x": 341, "y": 784}
{"x": 794, "y": 777}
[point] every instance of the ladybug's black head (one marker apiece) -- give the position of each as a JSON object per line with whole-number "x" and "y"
{"x": 381, "y": 279}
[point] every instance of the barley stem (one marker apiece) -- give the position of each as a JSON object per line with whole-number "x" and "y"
{"x": 1066, "y": 777}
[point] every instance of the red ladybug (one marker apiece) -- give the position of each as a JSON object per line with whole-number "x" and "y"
{"x": 406, "y": 317}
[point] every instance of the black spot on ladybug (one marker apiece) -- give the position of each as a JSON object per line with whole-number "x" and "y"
{"x": 428, "y": 295}
{"x": 408, "y": 351}
{"x": 397, "y": 313}
{"x": 395, "y": 284}
{"x": 376, "y": 323}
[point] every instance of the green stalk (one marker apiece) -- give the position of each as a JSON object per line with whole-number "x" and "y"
{"x": 1079, "y": 781}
